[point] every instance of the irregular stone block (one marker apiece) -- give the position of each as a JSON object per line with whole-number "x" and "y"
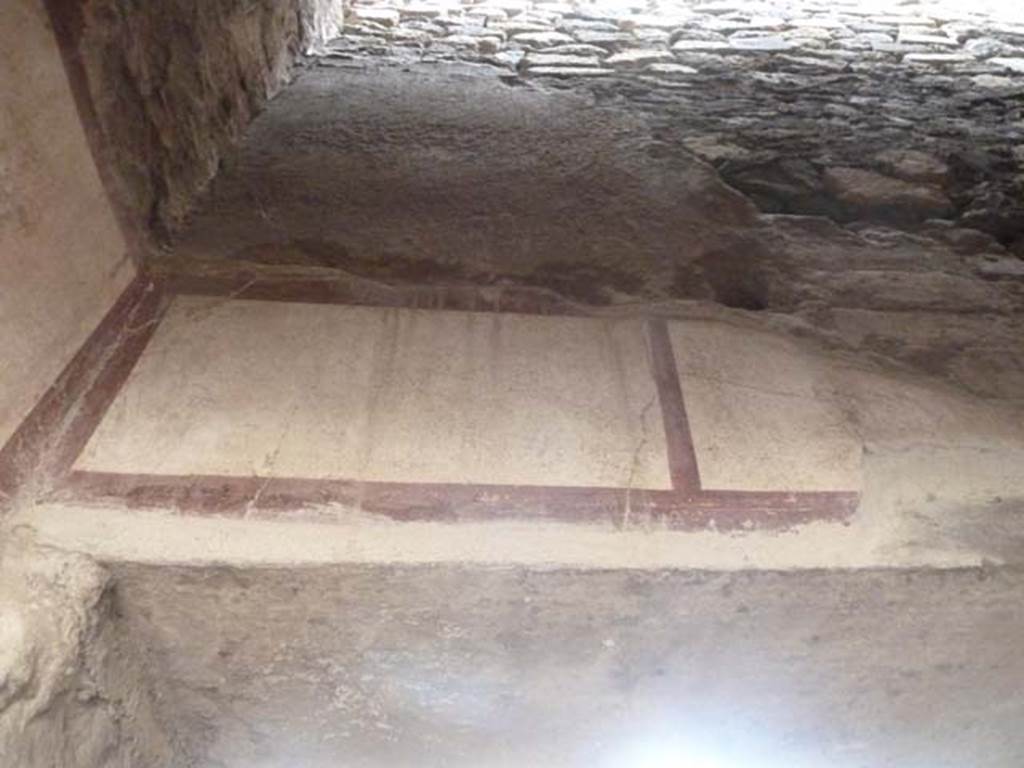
{"x": 1001, "y": 268}
{"x": 659, "y": 68}
{"x": 937, "y": 58}
{"x": 420, "y": 12}
{"x": 653, "y": 21}
{"x": 699, "y": 46}
{"x": 541, "y": 39}
{"x": 1014, "y": 64}
{"x": 765, "y": 44}
{"x": 571, "y": 71}
{"x": 517, "y": 27}
{"x": 637, "y": 58}
{"x": 911, "y": 165}
{"x": 535, "y": 60}
{"x": 916, "y": 38}
{"x": 604, "y": 39}
{"x": 575, "y": 25}
{"x": 986, "y": 48}
{"x": 868, "y": 193}
{"x": 388, "y": 17}
{"x": 577, "y": 49}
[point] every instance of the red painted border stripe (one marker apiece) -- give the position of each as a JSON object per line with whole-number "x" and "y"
{"x": 128, "y": 328}
{"x": 60, "y": 424}
{"x": 681, "y": 457}
{"x": 280, "y": 498}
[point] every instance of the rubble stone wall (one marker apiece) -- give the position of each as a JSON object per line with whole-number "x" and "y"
{"x": 71, "y": 687}
{"x": 174, "y": 83}
{"x": 905, "y": 113}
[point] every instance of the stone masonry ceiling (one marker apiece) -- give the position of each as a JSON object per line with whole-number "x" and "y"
{"x": 904, "y": 112}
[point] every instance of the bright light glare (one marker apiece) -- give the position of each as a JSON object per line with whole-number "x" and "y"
{"x": 668, "y": 752}
{"x": 672, "y": 758}
{"x": 691, "y": 741}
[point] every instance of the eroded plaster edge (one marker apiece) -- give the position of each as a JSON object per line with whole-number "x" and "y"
{"x": 115, "y": 535}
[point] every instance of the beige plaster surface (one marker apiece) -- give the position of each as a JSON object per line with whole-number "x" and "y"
{"x": 941, "y": 487}
{"x": 763, "y": 414}
{"x": 113, "y": 534}
{"x": 928, "y": 501}
{"x": 62, "y": 256}
{"x": 325, "y": 391}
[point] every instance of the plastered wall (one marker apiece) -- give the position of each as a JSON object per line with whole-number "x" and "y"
{"x": 63, "y": 258}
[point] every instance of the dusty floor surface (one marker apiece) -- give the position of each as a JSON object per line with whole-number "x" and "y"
{"x": 460, "y": 666}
